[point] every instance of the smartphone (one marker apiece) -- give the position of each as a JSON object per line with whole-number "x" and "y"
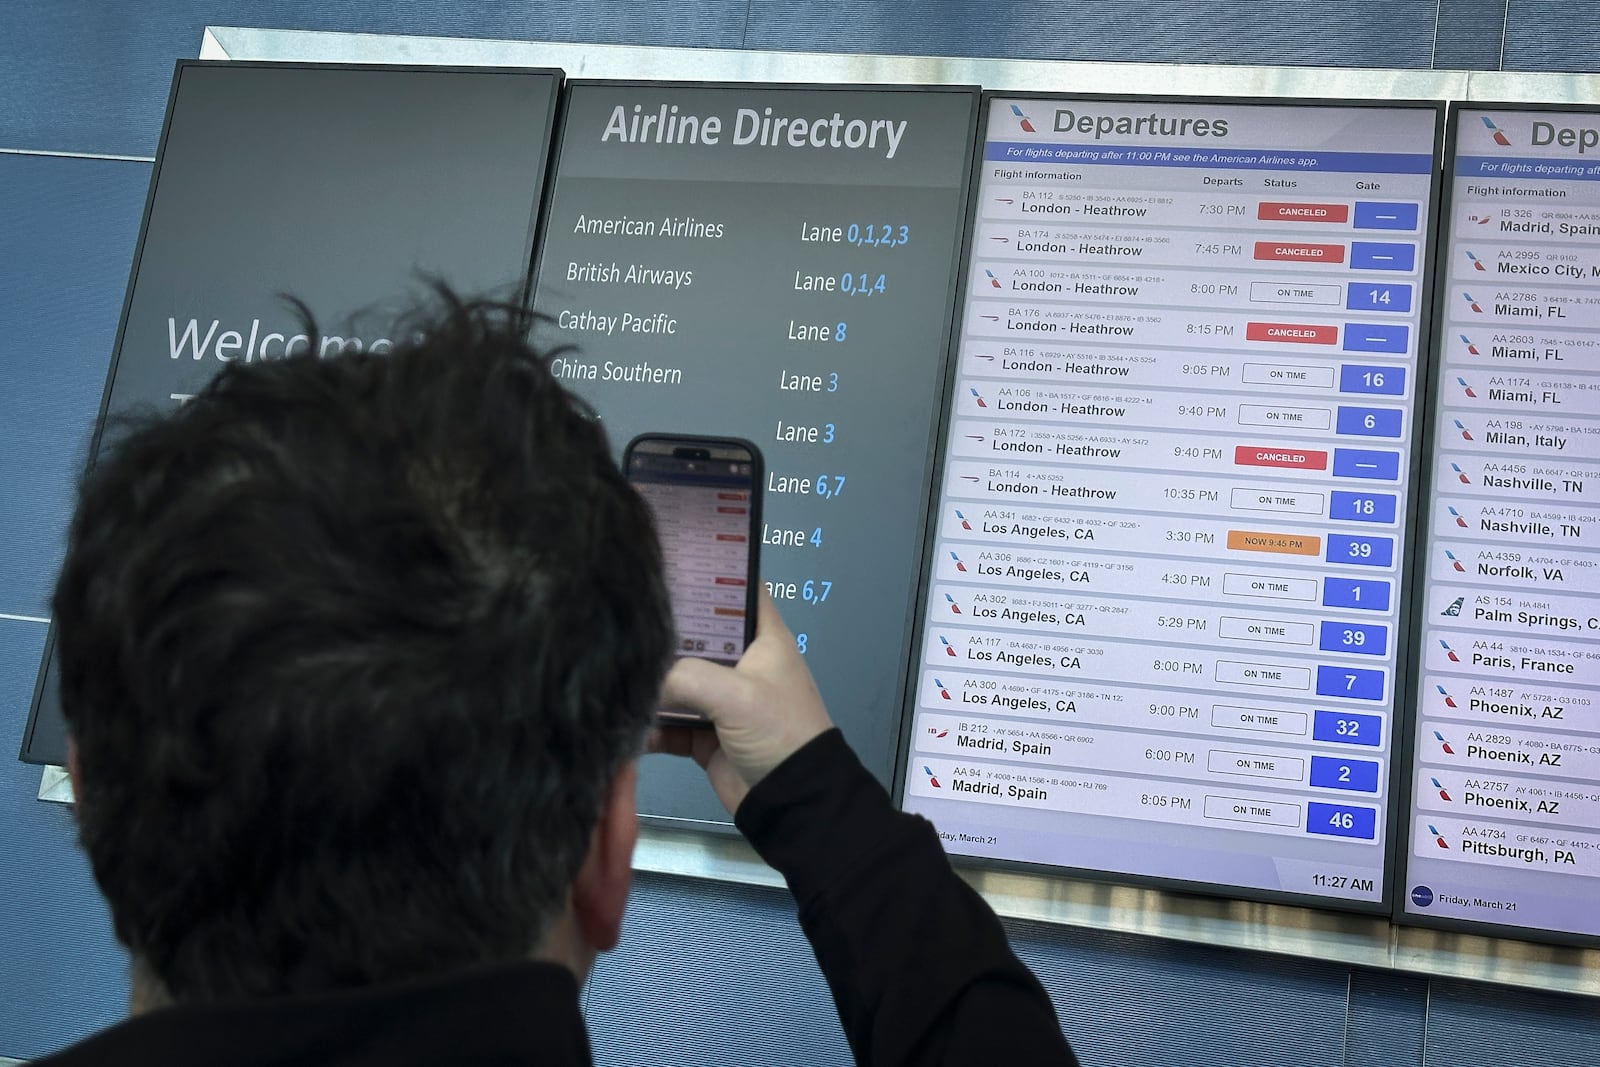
{"x": 705, "y": 496}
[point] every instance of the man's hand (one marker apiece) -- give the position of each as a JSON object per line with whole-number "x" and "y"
{"x": 764, "y": 709}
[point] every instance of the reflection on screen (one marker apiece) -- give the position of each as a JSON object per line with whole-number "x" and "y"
{"x": 702, "y": 514}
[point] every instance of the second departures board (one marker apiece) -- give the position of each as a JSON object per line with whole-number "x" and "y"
{"x": 1163, "y": 625}
{"x": 1506, "y": 828}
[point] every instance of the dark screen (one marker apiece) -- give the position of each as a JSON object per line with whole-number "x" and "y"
{"x": 343, "y": 186}
{"x": 775, "y": 264}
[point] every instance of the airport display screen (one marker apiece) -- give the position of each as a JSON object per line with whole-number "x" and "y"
{"x": 343, "y": 186}
{"x": 1164, "y": 620}
{"x": 1506, "y": 826}
{"x": 777, "y": 264}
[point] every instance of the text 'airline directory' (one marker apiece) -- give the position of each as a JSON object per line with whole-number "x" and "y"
{"x": 1163, "y": 625}
{"x": 1507, "y": 822}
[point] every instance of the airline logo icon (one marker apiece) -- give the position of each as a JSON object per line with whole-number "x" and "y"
{"x": 1456, "y": 563}
{"x": 996, "y": 281}
{"x": 1449, "y": 701}
{"x": 955, "y": 609}
{"x": 1499, "y": 135}
{"x": 1448, "y": 751}
{"x": 978, "y": 437}
{"x": 949, "y": 649}
{"x": 983, "y": 356}
{"x": 1443, "y": 795}
{"x": 962, "y": 519}
{"x": 1478, "y": 220}
{"x": 1461, "y": 474}
{"x": 943, "y": 692}
{"x": 1437, "y": 836}
{"x": 931, "y": 779}
{"x": 1465, "y": 388}
{"x": 962, "y": 567}
{"x": 1472, "y": 348}
{"x": 1465, "y": 436}
{"x": 1454, "y": 609}
{"x": 1471, "y": 303}
{"x": 978, "y": 397}
{"x": 936, "y": 733}
{"x": 1457, "y": 516}
{"x": 1027, "y": 126}
{"x": 1477, "y": 264}
{"x": 1449, "y": 654}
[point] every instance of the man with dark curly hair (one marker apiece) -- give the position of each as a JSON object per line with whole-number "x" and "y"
{"x": 358, "y": 656}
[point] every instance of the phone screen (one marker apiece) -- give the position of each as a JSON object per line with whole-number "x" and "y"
{"x": 705, "y": 497}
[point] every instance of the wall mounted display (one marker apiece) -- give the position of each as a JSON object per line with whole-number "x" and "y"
{"x": 778, "y": 264}
{"x": 1506, "y": 827}
{"x": 340, "y": 185}
{"x": 1164, "y": 624}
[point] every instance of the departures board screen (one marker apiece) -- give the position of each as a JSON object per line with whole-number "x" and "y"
{"x": 777, "y": 264}
{"x": 1506, "y": 828}
{"x": 1163, "y": 621}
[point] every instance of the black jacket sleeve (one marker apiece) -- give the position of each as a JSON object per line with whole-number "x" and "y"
{"x": 918, "y": 963}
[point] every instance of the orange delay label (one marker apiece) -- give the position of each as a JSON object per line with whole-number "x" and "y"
{"x": 1288, "y": 543}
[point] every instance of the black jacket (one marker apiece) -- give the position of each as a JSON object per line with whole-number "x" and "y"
{"x": 919, "y": 966}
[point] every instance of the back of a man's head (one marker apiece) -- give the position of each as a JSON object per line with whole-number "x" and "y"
{"x": 350, "y": 650}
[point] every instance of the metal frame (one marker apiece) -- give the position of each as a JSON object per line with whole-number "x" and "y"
{"x": 1343, "y": 939}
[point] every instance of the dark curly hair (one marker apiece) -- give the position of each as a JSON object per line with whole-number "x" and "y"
{"x": 350, "y": 651}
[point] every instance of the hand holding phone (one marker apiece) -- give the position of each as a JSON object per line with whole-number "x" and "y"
{"x": 765, "y": 709}
{"x": 705, "y": 496}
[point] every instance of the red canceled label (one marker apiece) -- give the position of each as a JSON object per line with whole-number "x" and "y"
{"x": 1294, "y": 251}
{"x": 1274, "y": 211}
{"x": 1291, "y": 333}
{"x": 1257, "y": 456}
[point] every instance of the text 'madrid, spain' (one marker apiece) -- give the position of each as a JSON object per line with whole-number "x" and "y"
{"x": 1506, "y": 827}
{"x": 1165, "y": 616}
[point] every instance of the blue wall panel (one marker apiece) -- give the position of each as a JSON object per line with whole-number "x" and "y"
{"x": 714, "y": 974}
{"x": 87, "y": 76}
{"x": 1553, "y": 35}
{"x": 1472, "y": 1025}
{"x": 1353, "y": 33}
{"x": 1468, "y": 34}
{"x": 61, "y": 974}
{"x": 1388, "y": 1014}
{"x": 68, "y": 227}
{"x": 1137, "y": 1002}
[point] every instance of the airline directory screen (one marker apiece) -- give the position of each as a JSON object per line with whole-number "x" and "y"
{"x": 1507, "y": 822}
{"x": 1163, "y": 619}
{"x": 775, "y": 263}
